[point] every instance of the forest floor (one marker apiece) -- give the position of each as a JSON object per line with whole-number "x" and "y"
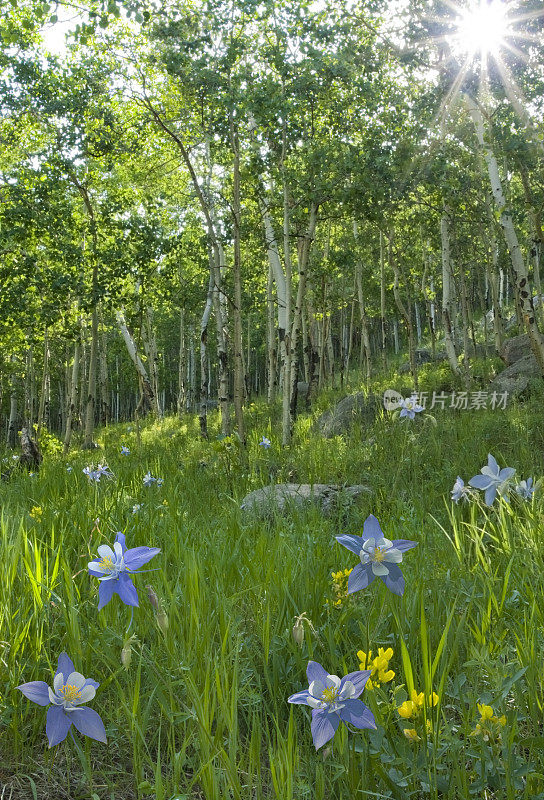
{"x": 201, "y": 710}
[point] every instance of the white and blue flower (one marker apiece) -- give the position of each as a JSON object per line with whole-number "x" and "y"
{"x": 70, "y": 691}
{"x": 334, "y": 700}
{"x": 409, "y": 407}
{"x": 379, "y": 557}
{"x": 525, "y": 489}
{"x": 493, "y": 480}
{"x": 460, "y": 491}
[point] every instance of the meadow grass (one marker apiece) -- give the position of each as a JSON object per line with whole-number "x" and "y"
{"x": 201, "y": 709}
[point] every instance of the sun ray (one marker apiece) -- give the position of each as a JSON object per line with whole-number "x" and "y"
{"x": 516, "y": 97}
{"x": 453, "y": 91}
{"x": 515, "y": 51}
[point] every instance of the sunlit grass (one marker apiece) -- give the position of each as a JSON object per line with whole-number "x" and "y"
{"x": 201, "y": 711}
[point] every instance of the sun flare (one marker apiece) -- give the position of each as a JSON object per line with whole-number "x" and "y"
{"x": 483, "y": 28}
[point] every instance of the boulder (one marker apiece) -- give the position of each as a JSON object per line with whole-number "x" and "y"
{"x": 515, "y": 349}
{"x": 353, "y": 408}
{"x": 477, "y": 350}
{"x": 282, "y": 496}
{"x": 515, "y": 378}
{"x": 302, "y": 392}
{"x": 510, "y": 323}
{"x": 422, "y": 357}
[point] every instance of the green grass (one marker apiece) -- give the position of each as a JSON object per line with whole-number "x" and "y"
{"x": 201, "y": 710}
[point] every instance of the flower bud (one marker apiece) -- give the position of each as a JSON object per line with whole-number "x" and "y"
{"x": 162, "y": 621}
{"x": 126, "y": 653}
{"x": 152, "y": 597}
{"x": 298, "y": 632}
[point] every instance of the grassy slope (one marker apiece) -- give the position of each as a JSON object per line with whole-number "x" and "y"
{"x": 202, "y": 711}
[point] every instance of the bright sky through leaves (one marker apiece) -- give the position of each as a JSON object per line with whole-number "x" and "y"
{"x": 482, "y": 28}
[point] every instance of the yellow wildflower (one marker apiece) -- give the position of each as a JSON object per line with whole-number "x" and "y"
{"x": 419, "y": 699}
{"x": 411, "y": 735}
{"x": 36, "y": 513}
{"x": 486, "y": 712}
{"x": 489, "y": 725}
{"x": 411, "y": 708}
{"x": 379, "y": 666}
{"x": 407, "y": 710}
{"x": 340, "y": 585}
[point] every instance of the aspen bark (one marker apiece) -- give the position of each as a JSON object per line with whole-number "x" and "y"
{"x": 12, "y": 423}
{"x": 105, "y": 406}
{"x": 204, "y": 372}
{"x": 271, "y": 340}
{"x": 305, "y": 243}
{"x": 447, "y": 290}
{"x": 519, "y": 269}
{"x": 71, "y": 404}
{"x": 382, "y": 301}
{"x": 147, "y": 388}
{"x": 405, "y": 311}
{"x": 90, "y": 406}
{"x": 238, "y": 344}
{"x": 149, "y": 339}
{"x": 362, "y": 309}
{"x": 45, "y": 380}
{"x": 182, "y": 367}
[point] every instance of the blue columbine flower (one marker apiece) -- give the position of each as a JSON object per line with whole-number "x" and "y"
{"x": 379, "y": 557}
{"x": 493, "y": 480}
{"x": 334, "y": 700}
{"x": 124, "y": 450}
{"x": 460, "y": 491}
{"x": 149, "y": 480}
{"x": 525, "y": 489}
{"x": 91, "y": 474}
{"x": 95, "y": 474}
{"x": 410, "y": 407}
{"x": 70, "y": 691}
{"x": 115, "y": 567}
{"x": 264, "y": 443}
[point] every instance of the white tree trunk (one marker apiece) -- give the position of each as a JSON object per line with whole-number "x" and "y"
{"x": 362, "y": 308}
{"x": 447, "y": 290}
{"x": 182, "y": 367}
{"x": 518, "y": 264}
{"x": 136, "y": 360}
{"x": 71, "y": 404}
{"x": 204, "y": 372}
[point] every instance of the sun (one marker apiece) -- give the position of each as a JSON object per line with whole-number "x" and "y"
{"x": 483, "y": 28}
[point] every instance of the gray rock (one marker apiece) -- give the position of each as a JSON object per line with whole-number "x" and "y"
{"x": 302, "y": 392}
{"x": 477, "y": 350}
{"x": 282, "y": 496}
{"x": 422, "y": 357}
{"x": 515, "y": 378}
{"x": 511, "y": 323}
{"x": 515, "y": 349}
{"x": 352, "y": 409}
